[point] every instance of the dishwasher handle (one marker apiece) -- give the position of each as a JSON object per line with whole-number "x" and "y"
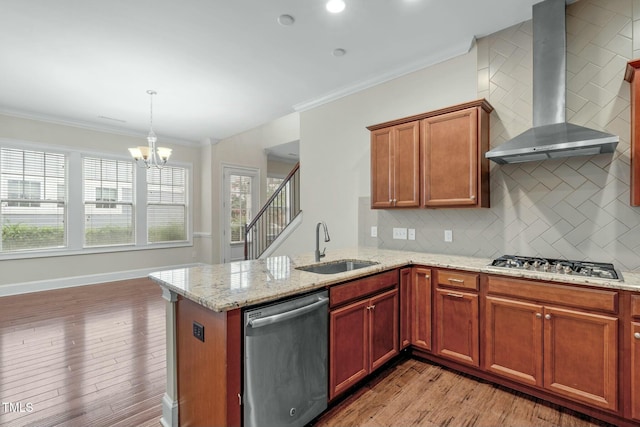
{"x": 281, "y": 317}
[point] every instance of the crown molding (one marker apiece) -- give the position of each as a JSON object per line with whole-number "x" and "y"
{"x": 442, "y": 56}
{"x": 91, "y": 126}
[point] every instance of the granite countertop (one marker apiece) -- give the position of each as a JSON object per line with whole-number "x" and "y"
{"x": 223, "y": 287}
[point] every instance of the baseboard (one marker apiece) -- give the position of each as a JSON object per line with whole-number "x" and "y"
{"x": 169, "y": 412}
{"x": 70, "y": 282}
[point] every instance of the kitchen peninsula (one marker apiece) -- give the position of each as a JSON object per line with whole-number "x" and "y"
{"x": 204, "y": 376}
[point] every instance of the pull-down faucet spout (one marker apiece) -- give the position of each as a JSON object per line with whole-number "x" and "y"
{"x": 326, "y": 239}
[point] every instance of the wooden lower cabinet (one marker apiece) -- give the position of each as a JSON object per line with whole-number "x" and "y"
{"x": 457, "y": 326}
{"x": 581, "y": 356}
{"x": 513, "y": 340}
{"x": 421, "y": 308}
{"x": 569, "y": 352}
{"x": 406, "y": 307}
{"x": 635, "y": 370}
{"x": 362, "y": 336}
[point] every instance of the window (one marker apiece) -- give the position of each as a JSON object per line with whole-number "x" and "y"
{"x": 166, "y": 204}
{"x": 55, "y": 201}
{"x": 32, "y": 209}
{"x": 108, "y": 202}
{"x": 240, "y": 205}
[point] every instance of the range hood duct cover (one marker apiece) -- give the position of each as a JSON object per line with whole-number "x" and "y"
{"x": 551, "y": 136}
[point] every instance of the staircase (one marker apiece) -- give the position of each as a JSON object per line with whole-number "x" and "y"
{"x": 278, "y": 212}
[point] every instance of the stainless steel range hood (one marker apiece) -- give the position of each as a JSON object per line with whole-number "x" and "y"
{"x": 551, "y": 136}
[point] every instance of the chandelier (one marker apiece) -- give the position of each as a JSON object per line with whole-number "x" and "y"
{"x": 150, "y": 156}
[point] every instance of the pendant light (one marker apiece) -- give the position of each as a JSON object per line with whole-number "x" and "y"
{"x": 148, "y": 156}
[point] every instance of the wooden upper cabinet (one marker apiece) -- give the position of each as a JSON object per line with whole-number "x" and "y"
{"x": 631, "y": 77}
{"x": 452, "y": 159}
{"x": 435, "y": 159}
{"x": 395, "y": 162}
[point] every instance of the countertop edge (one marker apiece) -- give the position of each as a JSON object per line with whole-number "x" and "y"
{"x": 388, "y": 260}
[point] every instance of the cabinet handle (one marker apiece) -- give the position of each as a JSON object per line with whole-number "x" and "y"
{"x": 426, "y": 276}
{"x": 455, "y": 295}
{"x": 456, "y": 280}
{"x": 637, "y": 335}
{"x": 539, "y": 315}
{"x": 371, "y": 307}
{"x": 473, "y": 197}
{"x": 547, "y": 316}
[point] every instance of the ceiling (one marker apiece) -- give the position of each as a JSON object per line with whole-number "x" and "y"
{"x": 219, "y": 67}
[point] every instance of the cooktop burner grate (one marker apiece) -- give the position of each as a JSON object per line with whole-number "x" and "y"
{"x": 559, "y": 266}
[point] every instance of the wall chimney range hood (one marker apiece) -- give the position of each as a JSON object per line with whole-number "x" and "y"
{"x": 551, "y": 136}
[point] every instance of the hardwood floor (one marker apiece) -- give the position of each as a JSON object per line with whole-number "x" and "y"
{"x": 86, "y": 356}
{"x": 417, "y": 393}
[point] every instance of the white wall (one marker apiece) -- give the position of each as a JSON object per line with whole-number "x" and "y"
{"x": 59, "y": 267}
{"x": 335, "y": 151}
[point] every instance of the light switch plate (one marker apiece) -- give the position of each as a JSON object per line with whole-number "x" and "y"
{"x": 412, "y": 234}
{"x": 400, "y": 233}
{"x": 374, "y": 231}
{"x": 448, "y": 236}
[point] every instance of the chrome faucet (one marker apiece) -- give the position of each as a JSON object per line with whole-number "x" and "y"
{"x": 326, "y": 239}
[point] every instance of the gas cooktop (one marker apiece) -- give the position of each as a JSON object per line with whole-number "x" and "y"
{"x": 590, "y": 269}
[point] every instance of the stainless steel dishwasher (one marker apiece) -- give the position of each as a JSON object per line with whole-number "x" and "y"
{"x": 285, "y": 362}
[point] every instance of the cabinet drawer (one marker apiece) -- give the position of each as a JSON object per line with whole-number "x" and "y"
{"x": 454, "y": 279}
{"x": 635, "y": 305}
{"x": 589, "y": 299}
{"x": 351, "y": 291}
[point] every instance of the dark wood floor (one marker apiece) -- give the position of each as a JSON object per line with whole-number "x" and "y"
{"x": 95, "y": 356}
{"x": 86, "y": 356}
{"x": 416, "y": 393}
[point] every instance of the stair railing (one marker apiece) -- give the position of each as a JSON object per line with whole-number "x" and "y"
{"x": 276, "y": 214}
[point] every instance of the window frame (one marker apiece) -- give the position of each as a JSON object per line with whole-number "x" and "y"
{"x": 75, "y": 204}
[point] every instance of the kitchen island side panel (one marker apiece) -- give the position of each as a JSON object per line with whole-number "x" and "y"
{"x": 209, "y": 371}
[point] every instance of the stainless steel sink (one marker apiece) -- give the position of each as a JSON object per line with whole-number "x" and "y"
{"x": 334, "y": 267}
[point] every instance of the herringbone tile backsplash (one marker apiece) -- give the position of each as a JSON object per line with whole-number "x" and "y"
{"x": 576, "y": 208}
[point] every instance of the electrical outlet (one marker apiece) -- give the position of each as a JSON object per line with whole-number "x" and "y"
{"x": 412, "y": 234}
{"x": 448, "y": 236}
{"x": 374, "y": 231}
{"x": 198, "y": 331}
{"x": 400, "y": 233}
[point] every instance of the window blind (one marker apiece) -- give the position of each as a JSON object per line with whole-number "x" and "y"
{"x": 32, "y": 200}
{"x": 108, "y": 202}
{"x": 166, "y": 204}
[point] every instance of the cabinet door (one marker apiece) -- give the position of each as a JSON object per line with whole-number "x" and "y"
{"x": 421, "y": 319}
{"x": 383, "y": 317}
{"x": 450, "y": 159}
{"x": 513, "y": 346}
{"x": 581, "y": 356}
{"x": 382, "y": 168}
{"x": 395, "y": 166}
{"x": 406, "y": 165}
{"x": 348, "y": 346}
{"x": 405, "y": 307}
{"x": 457, "y": 330}
{"x": 635, "y": 370}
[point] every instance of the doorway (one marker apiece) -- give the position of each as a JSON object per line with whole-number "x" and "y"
{"x": 241, "y": 197}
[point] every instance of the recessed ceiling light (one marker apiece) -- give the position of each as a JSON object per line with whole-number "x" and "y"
{"x": 339, "y": 52}
{"x": 335, "y": 6}
{"x": 286, "y": 20}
